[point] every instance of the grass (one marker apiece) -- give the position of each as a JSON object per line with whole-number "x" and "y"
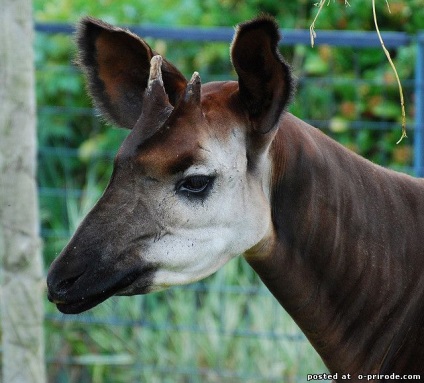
{"x": 209, "y": 332}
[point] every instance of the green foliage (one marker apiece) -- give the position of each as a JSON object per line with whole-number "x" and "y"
{"x": 227, "y": 332}
{"x": 337, "y": 87}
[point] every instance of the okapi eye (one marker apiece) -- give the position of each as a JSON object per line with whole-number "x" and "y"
{"x": 197, "y": 185}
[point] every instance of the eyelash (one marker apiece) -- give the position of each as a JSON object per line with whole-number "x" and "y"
{"x": 197, "y": 185}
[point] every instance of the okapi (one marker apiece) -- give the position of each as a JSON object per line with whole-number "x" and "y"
{"x": 213, "y": 171}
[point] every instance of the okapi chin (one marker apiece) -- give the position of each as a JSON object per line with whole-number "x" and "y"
{"x": 213, "y": 171}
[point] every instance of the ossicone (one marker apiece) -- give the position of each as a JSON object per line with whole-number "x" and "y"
{"x": 193, "y": 90}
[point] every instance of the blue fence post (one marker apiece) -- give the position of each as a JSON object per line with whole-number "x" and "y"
{"x": 419, "y": 108}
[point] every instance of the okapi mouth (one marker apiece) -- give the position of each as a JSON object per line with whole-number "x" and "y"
{"x": 81, "y": 293}
{"x": 81, "y": 306}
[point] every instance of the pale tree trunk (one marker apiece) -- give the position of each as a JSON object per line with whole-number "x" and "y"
{"x": 20, "y": 255}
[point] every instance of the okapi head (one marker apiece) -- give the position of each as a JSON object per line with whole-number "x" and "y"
{"x": 189, "y": 189}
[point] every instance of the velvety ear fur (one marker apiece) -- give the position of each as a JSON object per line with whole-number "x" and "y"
{"x": 117, "y": 64}
{"x": 265, "y": 81}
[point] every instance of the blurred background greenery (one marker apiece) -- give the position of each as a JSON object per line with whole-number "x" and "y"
{"x": 228, "y": 328}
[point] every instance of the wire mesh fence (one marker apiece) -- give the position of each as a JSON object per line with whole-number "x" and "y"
{"x": 227, "y": 328}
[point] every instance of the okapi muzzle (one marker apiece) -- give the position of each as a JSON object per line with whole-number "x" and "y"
{"x": 212, "y": 171}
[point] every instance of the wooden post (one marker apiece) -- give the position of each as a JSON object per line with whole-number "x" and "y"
{"x": 21, "y": 267}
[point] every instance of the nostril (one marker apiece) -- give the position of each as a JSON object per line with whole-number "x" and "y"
{"x": 58, "y": 290}
{"x": 64, "y": 285}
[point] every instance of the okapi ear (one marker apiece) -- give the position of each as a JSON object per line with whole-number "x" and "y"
{"x": 265, "y": 82}
{"x": 117, "y": 65}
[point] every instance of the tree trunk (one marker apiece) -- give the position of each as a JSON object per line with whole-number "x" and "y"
{"x": 21, "y": 274}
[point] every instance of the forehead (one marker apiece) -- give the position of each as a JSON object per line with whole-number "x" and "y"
{"x": 193, "y": 132}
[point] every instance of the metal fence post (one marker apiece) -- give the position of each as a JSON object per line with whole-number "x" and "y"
{"x": 419, "y": 108}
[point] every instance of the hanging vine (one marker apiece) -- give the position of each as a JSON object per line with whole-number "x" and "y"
{"x": 313, "y": 35}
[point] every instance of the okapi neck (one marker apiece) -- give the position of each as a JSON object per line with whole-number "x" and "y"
{"x": 336, "y": 264}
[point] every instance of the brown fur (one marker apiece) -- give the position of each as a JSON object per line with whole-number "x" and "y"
{"x": 347, "y": 260}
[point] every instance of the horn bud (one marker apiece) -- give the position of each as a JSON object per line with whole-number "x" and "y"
{"x": 156, "y": 107}
{"x": 156, "y": 98}
{"x": 155, "y": 75}
{"x": 193, "y": 89}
